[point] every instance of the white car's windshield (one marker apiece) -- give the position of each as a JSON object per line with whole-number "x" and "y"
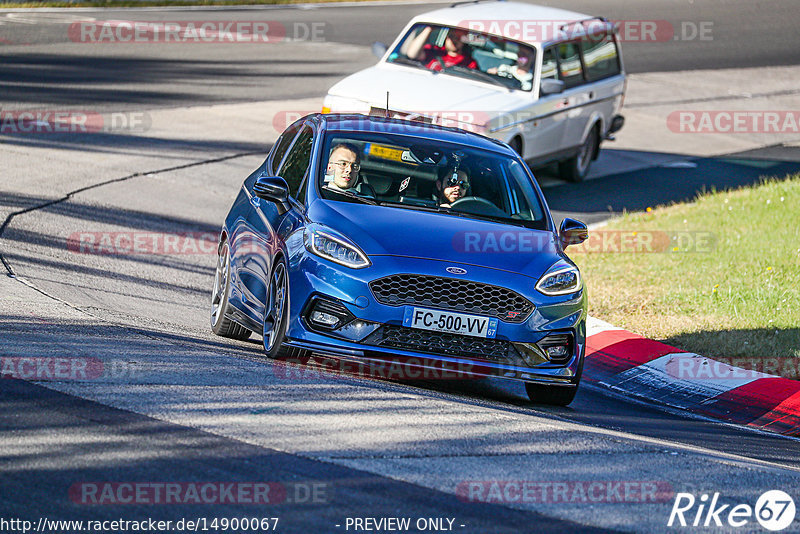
{"x": 429, "y": 175}
{"x": 459, "y": 52}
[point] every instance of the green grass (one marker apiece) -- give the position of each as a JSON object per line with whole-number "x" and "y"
{"x": 738, "y": 299}
{"x": 158, "y": 3}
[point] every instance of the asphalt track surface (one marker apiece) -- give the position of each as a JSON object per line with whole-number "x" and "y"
{"x": 53, "y": 69}
{"x": 201, "y": 408}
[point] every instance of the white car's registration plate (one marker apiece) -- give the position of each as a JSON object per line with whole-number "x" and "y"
{"x": 453, "y": 323}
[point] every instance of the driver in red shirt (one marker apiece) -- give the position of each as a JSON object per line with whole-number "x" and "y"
{"x": 453, "y": 53}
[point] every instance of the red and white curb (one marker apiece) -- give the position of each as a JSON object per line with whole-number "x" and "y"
{"x": 641, "y": 367}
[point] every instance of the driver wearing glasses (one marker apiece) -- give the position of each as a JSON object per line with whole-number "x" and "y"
{"x": 343, "y": 167}
{"x": 453, "y": 184}
{"x": 342, "y": 172}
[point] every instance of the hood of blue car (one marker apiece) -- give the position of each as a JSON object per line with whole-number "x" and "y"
{"x": 384, "y": 230}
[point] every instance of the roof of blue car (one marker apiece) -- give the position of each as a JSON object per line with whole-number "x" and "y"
{"x": 363, "y": 123}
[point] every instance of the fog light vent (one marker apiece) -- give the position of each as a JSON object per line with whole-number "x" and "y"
{"x": 328, "y": 315}
{"x": 557, "y": 347}
{"x": 323, "y": 319}
{"x": 557, "y": 351}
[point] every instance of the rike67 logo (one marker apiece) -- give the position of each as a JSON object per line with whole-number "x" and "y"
{"x": 774, "y": 510}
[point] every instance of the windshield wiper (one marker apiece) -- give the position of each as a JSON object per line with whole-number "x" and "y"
{"x": 478, "y": 74}
{"x": 502, "y": 220}
{"x": 456, "y": 213}
{"x": 408, "y": 61}
{"x": 414, "y": 206}
{"x": 350, "y": 194}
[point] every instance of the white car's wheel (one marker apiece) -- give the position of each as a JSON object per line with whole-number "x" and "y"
{"x": 576, "y": 168}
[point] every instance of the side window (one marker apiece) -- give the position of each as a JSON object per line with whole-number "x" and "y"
{"x": 600, "y": 56}
{"x": 283, "y": 145}
{"x": 549, "y": 64}
{"x": 301, "y": 195}
{"x": 297, "y": 160}
{"x": 569, "y": 60}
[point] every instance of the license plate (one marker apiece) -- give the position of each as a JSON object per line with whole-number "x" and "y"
{"x": 452, "y": 323}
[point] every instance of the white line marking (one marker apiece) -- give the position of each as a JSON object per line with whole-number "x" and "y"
{"x": 682, "y": 380}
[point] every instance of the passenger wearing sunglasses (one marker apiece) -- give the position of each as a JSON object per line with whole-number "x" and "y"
{"x": 452, "y": 185}
{"x": 521, "y": 71}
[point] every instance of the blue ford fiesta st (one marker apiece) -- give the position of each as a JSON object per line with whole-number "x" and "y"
{"x": 380, "y": 240}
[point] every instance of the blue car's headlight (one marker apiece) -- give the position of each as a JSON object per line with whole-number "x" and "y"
{"x": 335, "y": 249}
{"x": 560, "y": 280}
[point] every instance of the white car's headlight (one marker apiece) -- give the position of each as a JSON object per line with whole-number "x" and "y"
{"x": 561, "y": 280}
{"x": 341, "y": 104}
{"x": 464, "y": 120}
{"x": 335, "y": 249}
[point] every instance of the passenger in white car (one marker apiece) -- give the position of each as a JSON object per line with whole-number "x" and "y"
{"x": 521, "y": 70}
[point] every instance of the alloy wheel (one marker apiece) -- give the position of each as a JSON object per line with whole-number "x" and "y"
{"x": 220, "y": 284}
{"x": 275, "y": 307}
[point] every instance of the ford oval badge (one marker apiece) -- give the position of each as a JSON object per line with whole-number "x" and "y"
{"x": 456, "y": 270}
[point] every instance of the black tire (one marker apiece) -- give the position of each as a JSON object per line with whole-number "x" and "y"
{"x": 553, "y": 395}
{"x": 516, "y": 144}
{"x": 276, "y": 311}
{"x": 576, "y": 168}
{"x": 220, "y": 324}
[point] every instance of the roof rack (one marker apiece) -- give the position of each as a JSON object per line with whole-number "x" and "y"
{"x": 465, "y": 2}
{"x": 583, "y": 22}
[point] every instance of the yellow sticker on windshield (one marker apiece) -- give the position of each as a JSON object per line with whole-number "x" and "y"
{"x": 385, "y": 152}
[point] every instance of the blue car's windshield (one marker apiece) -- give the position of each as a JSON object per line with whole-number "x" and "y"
{"x": 425, "y": 174}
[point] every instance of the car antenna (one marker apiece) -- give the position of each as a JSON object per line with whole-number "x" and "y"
{"x": 387, "y": 105}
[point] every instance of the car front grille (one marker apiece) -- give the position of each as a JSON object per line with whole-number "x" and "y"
{"x": 452, "y": 294}
{"x": 401, "y": 337}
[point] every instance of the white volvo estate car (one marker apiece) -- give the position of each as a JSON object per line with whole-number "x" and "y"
{"x": 548, "y": 82}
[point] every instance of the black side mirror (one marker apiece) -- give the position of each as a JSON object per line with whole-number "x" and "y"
{"x": 572, "y": 232}
{"x": 274, "y": 189}
{"x": 550, "y": 86}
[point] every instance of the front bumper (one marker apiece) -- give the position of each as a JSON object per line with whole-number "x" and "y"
{"x": 375, "y": 337}
{"x": 616, "y": 125}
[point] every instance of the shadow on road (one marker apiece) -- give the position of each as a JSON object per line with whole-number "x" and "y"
{"x": 110, "y": 80}
{"x": 99, "y": 449}
{"x": 598, "y": 199}
{"x": 117, "y": 143}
